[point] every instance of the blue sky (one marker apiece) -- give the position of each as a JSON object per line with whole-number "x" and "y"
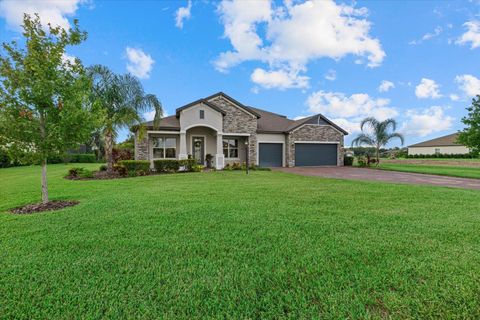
{"x": 415, "y": 61}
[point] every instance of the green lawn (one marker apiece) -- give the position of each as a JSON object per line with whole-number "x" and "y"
{"x": 226, "y": 245}
{"x": 454, "y": 171}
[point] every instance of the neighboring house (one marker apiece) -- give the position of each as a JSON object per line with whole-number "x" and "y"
{"x": 443, "y": 145}
{"x": 229, "y": 131}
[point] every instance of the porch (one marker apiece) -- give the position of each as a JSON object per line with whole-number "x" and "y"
{"x": 198, "y": 143}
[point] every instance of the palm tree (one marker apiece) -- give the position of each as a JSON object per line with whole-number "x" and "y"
{"x": 121, "y": 100}
{"x": 379, "y": 135}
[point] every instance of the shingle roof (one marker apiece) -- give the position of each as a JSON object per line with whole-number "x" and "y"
{"x": 449, "y": 140}
{"x": 167, "y": 123}
{"x": 268, "y": 122}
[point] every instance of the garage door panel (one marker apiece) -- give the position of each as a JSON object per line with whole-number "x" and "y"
{"x": 315, "y": 154}
{"x": 270, "y": 154}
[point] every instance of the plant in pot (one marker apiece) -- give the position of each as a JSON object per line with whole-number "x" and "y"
{"x": 209, "y": 159}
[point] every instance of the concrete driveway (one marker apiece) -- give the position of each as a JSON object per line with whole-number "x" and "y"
{"x": 352, "y": 173}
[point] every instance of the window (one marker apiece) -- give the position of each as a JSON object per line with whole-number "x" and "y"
{"x": 202, "y": 114}
{"x": 230, "y": 148}
{"x": 164, "y": 148}
{"x": 437, "y": 150}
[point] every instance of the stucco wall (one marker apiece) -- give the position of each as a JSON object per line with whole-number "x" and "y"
{"x": 444, "y": 150}
{"x": 311, "y": 132}
{"x": 210, "y": 139}
{"x": 191, "y": 117}
{"x": 238, "y": 120}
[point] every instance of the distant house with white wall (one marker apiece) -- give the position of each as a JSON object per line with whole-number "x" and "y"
{"x": 442, "y": 145}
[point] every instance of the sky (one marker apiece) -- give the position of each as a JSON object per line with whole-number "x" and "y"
{"x": 414, "y": 61}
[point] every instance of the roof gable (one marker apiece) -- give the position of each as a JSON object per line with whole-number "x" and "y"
{"x": 235, "y": 102}
{"x": 197, "y": 102}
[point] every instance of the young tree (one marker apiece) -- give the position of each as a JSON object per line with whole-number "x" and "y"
{"x": 470, "y": 136}
{"x": 379, "y": 135}
{"x": 122, "y": 101}
{"x": 44, "y": 107}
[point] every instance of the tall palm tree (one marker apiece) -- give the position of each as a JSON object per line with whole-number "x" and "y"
{"x": 379, "y": 134}
{"x": 122, "y": 101}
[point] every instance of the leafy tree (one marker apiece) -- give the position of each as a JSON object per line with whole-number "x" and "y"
{"x": 470, "y": 136}
{"x": 44, "y": 107}
{"x": 379, "y": 135}
{"x": 122, "y": 101}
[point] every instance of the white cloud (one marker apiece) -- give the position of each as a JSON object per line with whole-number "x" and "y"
{"x": 280, "y": 79}
{"x": 149, "y": 116}
{"x": 427, "y": 88}
{"x": 295, "y": 34}
{"x": 454, "y": 97}
{"x": 359, "y": 105}
{"x": 331, "y": 75}
{"x": 472, "y": 35}
{"x": 50, "y": 11}
{"x": 427, "y": 121}
{"x": 427, "y": 36}
{"x": 385, "y": 86}
{"x": 183, "y": 13}
{"x": 347, "y": 125}
{"x": 139, "y": 63}
{"x": 468, "y": 84}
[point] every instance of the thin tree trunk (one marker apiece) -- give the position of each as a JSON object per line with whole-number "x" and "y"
{"x": 109, "y": 150}
{"x": 44, "y": 182}
{"x": 378, "y": 155}
{"x": 44, "y": 162}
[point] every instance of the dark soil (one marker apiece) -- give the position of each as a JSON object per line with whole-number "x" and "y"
{"x": 41, "y": 207}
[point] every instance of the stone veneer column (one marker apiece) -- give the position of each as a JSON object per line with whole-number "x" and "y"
{"x": 141, "y": 147}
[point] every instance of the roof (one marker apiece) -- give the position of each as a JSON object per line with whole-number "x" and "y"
{"x": 167, "y": 123}
{"x": 204, "y": 101}
{"x": 448, "y": 140}
{"x": 268, "y": 122}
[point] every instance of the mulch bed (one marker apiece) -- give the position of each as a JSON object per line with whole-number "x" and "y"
{"x": 41, "y": 207}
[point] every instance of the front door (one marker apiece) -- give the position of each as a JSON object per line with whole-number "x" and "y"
{"x": 198, "y": 144}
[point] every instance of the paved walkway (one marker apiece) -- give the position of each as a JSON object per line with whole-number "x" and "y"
{"x": 351, "y": 173}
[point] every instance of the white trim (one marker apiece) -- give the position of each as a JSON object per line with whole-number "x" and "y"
{"x": 162, "y": 132}
{"x": 204, "y": 145}
{"x": 318, "y": 142}
{"x": 276, "y": 142}
{"x": 201, "y": 125}
{"x": 238, "y": 149}
{"x": 318, "y": 125}
{"x": 237, "y": 134}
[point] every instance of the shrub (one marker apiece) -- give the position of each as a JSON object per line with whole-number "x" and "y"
{"x": 136, "y": 167}
{"x": 362, "y": 161}
{"x": 166, "y": 165}
{"x": 79, "y": 172}
{"x": 347, "y": 161}
{"x": 197, "y": 168}
{"x": 81, "y": 158}
{"x": 187, "y": 164}
{"x": 103, "y": 167}
{"x": 120, "y": 169}
{"x": 121, "y": 154}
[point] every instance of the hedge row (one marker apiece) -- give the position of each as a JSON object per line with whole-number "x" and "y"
{"x": 174, "y": 165}
{"x": 136, "y": 167}
{"x": 443, "y": 155}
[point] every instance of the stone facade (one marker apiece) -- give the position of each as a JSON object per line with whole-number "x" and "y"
{"x": 311, "y": 132}
{"x": 141, "y": 147}
{"x": 237, "y": 120}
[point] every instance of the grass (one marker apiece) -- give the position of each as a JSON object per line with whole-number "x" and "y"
{"x": 453, "y": 171}
{"x": 226, "y": 245}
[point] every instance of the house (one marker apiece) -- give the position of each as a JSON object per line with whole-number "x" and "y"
{"x": 444, "y": 145}
{"x": 230, "y": 132}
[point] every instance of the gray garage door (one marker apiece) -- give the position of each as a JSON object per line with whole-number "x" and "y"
{"x": 270, "y": 154}
{"x": 313, "y": 154}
